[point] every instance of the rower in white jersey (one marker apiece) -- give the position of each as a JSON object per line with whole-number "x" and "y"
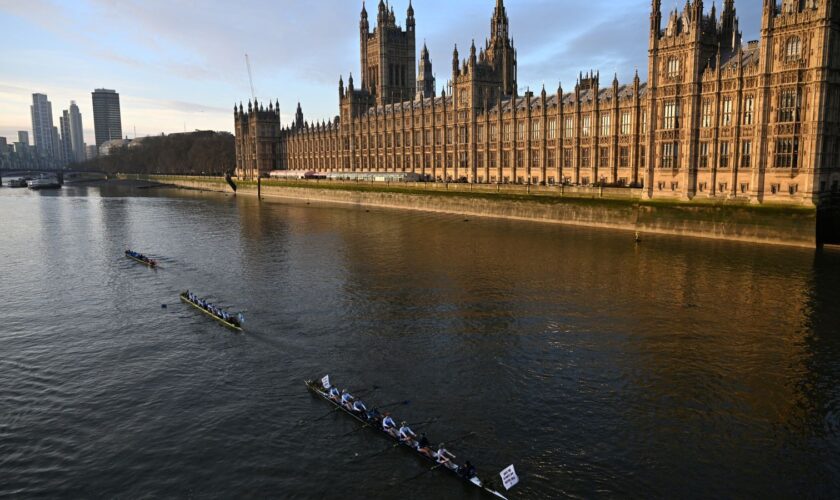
{"x": 335, "y": 394}
{"x": 444, "y": 458}
{"x": 388, "y": 424}
{"x": 407, "y": 436}
{"x": 346, "y": 399}
{"x": 359, "y": 407}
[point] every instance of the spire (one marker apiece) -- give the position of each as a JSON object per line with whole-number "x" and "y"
{"x": 455, "y": 60}
{"x": 499, "y": 25}
{"x": 364, "y": 11}
{"x": 655, "y": 17}
{"x": 410, "y": 22}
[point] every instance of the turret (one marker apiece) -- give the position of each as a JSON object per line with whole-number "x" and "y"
{"x": 499, "y": 25}
{"x": 655, "y": 19}
{"x": 299, "y": 123}
{"x": 364, "y": 25}
{"x": 341, "y": 87}
{"x": 426, "y": 78}
{"x": 730, "y": 37}
{"x": 382, "y": 15}
{"x": 409, "y": 20}
{"x": 455, "y": 70}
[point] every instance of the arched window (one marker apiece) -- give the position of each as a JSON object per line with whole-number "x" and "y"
{"x": 793, "y": 49}
{"x": 673, "y": 67}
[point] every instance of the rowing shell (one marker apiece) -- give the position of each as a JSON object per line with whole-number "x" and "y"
{"x": 141, "y": 261}
{"x": 474, "y": 481}
{"x": 205, "y": 311}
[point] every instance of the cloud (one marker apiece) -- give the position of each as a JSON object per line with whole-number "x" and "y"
{"x": 173, "y": 55}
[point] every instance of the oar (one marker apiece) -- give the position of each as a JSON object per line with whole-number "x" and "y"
{"x": 367, "y": 425}
{"x": 465, "y": 436}
{"x": 418, "y": 476}
{"x": 340, "y": 407}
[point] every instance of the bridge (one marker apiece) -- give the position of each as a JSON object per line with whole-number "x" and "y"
{"x": 59, "y": 173}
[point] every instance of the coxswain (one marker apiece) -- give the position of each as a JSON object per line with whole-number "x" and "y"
{"x": 443, "y": 456}
{"x": 423, "y": 446}
{"x": 335, "y": 394}
{"x": 407, "y": 436}
{"x": 374, "y": 415}
{"x": 388, "y": 424}
{"x": 468, "y": 471}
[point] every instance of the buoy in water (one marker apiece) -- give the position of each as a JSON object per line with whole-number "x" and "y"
{"x": 163, "y": 306}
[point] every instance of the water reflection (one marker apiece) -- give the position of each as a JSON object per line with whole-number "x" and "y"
{"x": 598, "y": 366}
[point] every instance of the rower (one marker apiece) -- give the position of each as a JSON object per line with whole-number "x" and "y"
{"x": 359, "y": 407}
{"x": 388, "y": 424}
{"x": 335, "y": 394}
{"x": 443, "y": 457}
{"x": 423, "y": 446}
{"x": 407, "y": 436}
{"x": 346, "y": 399}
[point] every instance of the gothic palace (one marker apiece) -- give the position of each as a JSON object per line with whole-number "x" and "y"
{"x": 717, "y": 118}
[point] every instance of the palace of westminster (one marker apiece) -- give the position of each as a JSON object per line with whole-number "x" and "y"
{"x": 717, "y": 118}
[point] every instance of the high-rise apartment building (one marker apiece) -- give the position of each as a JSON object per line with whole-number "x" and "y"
{"x": 64, "y": 140}
{"x": 77, "y": 133}
{"x": 23, "y": 137}
{"x": 43, "y": 131}
{"x": 107, "y": 121}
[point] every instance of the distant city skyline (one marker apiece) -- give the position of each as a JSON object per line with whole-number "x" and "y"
{"x": 184, "y": 71}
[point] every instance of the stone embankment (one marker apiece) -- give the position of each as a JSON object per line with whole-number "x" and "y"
{"x": 612, "y": 208}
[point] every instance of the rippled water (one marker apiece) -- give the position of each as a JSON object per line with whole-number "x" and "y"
{"x": 677, "y": 368}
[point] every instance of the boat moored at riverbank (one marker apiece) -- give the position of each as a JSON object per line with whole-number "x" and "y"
{"x": 16, "y": 183}
{"x": 44, "y": 182}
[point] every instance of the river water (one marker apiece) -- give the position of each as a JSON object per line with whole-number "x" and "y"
{"x": 676, "y": 368}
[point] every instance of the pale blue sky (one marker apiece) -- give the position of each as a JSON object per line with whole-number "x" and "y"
{"x": 180, "y": 64}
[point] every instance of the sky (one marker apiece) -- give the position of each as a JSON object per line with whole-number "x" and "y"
{"x": 180, "y": 64}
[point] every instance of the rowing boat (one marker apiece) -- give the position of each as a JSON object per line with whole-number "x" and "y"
{"x": 150, "y": 263}
{"x": 205, "y": 311}
{"x": 317, "y": 390}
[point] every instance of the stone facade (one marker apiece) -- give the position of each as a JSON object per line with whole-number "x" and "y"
{"x": 718, "y": 118}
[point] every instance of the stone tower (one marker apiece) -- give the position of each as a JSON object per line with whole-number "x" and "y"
{"x": 257, "y": 139}
{"x": 500, "y": 53}
{"x": 388, "y": 56}
{"x": 426, "y": 80}
{"x": 799, "y": 58}
{"x": 690, "y": 43}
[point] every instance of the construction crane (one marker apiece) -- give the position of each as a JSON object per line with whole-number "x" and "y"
{"x": 250, "y": 76}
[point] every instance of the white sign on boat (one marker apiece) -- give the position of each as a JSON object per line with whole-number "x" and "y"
{"x": 326, "y": 381}
{"x": 509, "y": 477}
